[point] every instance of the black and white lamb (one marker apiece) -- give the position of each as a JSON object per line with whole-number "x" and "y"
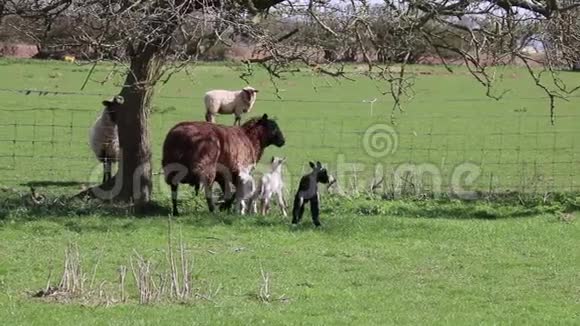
{"x": 308, "y": 192}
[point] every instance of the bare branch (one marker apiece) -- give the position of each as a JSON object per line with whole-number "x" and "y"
{"x": 318, "y": 20}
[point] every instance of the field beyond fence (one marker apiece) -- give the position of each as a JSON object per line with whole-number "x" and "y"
{"x": 68, "y": 261}
{"x": 451, "y": 138}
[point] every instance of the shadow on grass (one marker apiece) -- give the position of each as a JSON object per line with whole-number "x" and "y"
{"x": 53, "y": 184}
{"x": 72, "y": 213}
{"x": 19, "y": 207}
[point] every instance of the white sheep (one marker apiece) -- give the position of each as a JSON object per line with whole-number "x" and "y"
{"x": 272, "y": 184}
{"x": 104, "y": 137}
{"x": 246, "y": 189}
{"x": 228, "y": 102}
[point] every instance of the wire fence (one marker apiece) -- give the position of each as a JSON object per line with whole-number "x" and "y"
{"x": 45, "y": 92}
{"x": 470, "y": 151}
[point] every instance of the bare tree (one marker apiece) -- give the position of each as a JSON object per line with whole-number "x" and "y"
{"x": 483, "y": 33}
{"x": 155, "y": 38}
{"x": 563, "y": 36}
{"x": 2, "y": 6}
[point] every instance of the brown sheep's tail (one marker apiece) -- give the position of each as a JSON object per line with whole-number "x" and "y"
{"x": 175, "y": 177}
{"x": 174, "y": 172}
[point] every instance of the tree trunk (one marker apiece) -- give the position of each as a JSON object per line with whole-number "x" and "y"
{"x": 134, "y": 177}
{"x": 329, "y": 55}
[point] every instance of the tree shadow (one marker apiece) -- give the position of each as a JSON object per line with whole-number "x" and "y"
{"x": 22, "y": 207}
{"x": 53, "y": 183}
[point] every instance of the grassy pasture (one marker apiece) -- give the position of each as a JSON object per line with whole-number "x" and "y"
{"x": 371, "y": 270}
{"x": 450, "y": 122}
{"x": 373, "y": 262}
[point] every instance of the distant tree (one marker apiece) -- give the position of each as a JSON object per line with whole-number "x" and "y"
{"x": 564, "y": 36}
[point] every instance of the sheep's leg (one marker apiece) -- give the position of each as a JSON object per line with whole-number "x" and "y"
{"x": 174, "y": 199}
{"x": 254, "y": 205}
{"x": 242, "y": 207}
{"x": 208, "y": 182}
{"x": 262, "y": 200}
{"x": 209, "y": 198}
{"x": 109, "y": 170}
{"x": 225, "y": 185}
{"x": 258, "y": 202}
{"x": 266, "y": 205}
{"x": 315, "y": 210}
{"x": 282, "y": 203}
{"x": 106, "y": 170}
{"x": 229, "y": 192}
{"x": 227, "y": 205}
{"x": 256, "y": 197}
{"x": 238, "y": 120}
{"x": 298, "y": 209}
{"x": 209, "y": 117}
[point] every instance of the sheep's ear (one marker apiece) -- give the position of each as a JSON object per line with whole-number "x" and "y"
{"x": 265, "y": 117}
{"x": 107, "y": 103}
{"x": 119, "y": 99}
{"x": 256, "y": 91}
{"x": 318, "y": 165}
{"x": 311, "y": 164}
{"x": 272, "y": 161}
{"x": 247, "y": 95}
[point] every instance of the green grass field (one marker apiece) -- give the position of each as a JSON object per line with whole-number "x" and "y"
{"x": 373, "y": 262}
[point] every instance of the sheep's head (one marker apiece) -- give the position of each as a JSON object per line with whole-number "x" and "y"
{"x": 246, "y": 169}
{"x": 249, "y": 94}
{"x": 277, "y": 162}
{"x": 320, "y": 171}
{"x": 112, "y": 105}
{"x": 273, "y": 133}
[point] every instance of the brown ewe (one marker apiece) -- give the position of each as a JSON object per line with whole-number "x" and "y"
{"x": 199, "y": 153}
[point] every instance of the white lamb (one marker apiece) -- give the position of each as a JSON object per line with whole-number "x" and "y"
{"x": 228, "y": 102}
{"x": 104, "y": 137}
{"x": 272, "y": 184}
{"x": 246, "y": 190}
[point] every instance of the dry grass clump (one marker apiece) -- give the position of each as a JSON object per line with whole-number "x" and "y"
{"x": 152, "y": 282}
